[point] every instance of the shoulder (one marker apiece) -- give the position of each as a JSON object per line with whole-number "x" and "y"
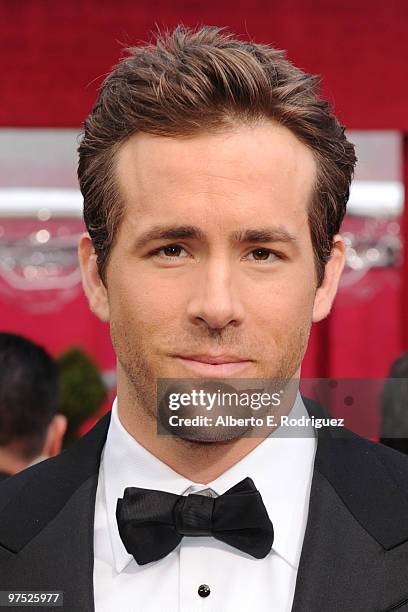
{"x": 341, "y": 450}
{"x": 394, "y": 463}
{"x": 30, "y": 480}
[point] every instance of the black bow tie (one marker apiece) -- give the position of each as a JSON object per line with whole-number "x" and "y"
{"x": 152, "y": 523}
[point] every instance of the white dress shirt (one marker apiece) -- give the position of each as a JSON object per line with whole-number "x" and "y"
{"x": 281, "y": 468}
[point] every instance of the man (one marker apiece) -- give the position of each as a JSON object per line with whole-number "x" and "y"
{"x": 215, "y": 181}
{"x": 394, "y": 400}
{"x": 30, "y": 428}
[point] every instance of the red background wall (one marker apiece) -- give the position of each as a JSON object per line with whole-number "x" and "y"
{"x": 54, "y": 53}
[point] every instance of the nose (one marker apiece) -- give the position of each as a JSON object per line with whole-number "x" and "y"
{"x": 214, "y": 299}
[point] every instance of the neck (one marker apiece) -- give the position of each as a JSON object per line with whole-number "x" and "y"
{"x": 201, "y": 462}
{"x": 10, "y": 463}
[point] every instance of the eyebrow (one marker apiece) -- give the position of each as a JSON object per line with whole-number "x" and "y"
{"x": 179, "y": 232}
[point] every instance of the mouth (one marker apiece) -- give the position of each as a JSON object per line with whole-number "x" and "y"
{"x": 214, "y": 365}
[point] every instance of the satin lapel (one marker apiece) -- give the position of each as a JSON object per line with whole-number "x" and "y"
{"x": 50, "y": 518}
{"x": 60, "y": 556}
{"x": 355, "y": 550}
{"x": 340, "y": 562}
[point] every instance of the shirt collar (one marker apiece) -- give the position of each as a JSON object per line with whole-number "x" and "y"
{"x": 281, "y": 467}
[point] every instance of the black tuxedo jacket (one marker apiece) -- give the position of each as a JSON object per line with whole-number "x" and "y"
{"x": 355, "y": 551}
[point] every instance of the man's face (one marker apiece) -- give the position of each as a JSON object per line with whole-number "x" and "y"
{"x": 235, "y": 277}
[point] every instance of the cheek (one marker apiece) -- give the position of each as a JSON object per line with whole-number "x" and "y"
{"x": 144, "y": 305}
{"x": 283, "y": 316}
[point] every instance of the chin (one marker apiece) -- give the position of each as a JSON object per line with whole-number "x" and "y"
{"x": 210, "y": 437}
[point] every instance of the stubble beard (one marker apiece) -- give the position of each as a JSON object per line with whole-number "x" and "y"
{"x": 142, "y": 373}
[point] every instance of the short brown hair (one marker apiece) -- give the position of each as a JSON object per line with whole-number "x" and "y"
{"x": 29, "y": 395}
{"x": 192, "y": 81}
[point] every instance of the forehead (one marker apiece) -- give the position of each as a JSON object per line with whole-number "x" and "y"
{"x": 261, "y": 169}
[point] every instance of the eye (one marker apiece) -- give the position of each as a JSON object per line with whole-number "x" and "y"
{"x": 264, "y": 255}
{"x": 169, "y": 252}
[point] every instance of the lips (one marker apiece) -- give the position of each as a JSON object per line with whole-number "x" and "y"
{"x": 214, "y": 359}
{"x": 214, "y": 365}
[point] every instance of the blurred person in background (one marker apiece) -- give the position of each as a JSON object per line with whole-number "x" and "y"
{"x": 394, "y": 406}
{"x": 30, "y": 428}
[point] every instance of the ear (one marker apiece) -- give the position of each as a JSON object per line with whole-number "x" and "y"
{"x": 92, "y": 283}
{"x": 55, "y": 435}
{"x": 326, "y": 293}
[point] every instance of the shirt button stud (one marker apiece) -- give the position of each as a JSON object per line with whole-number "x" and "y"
{"x": 204, "y": 590}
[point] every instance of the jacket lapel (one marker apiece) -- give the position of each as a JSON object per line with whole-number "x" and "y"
{"x": 355, "y": 549}
{"x": 57, "y": 528}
